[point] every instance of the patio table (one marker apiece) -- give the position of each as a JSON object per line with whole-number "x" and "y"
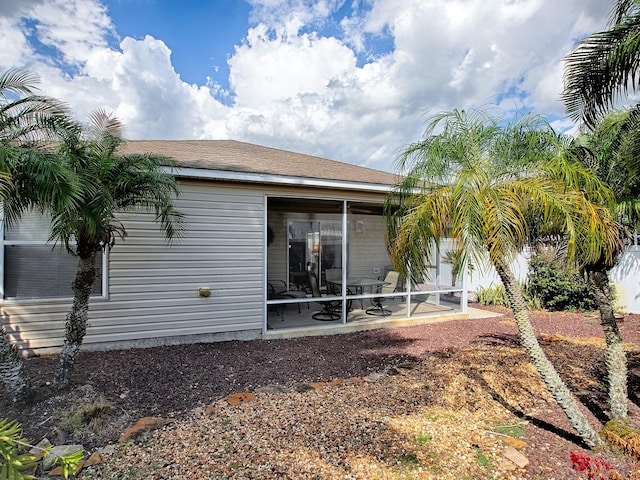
{"x": 358, "y": 284}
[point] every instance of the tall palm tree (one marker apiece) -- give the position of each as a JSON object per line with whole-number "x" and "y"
{"x": 107, "y": 183}
{"x": 604, "y": 66}
{"x": 476, "y": 181}
{"x": 30, "y": 177}
{"x": 610, "y": 151}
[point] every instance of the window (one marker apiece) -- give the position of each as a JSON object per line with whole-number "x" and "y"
{"x": 35, "y": 269}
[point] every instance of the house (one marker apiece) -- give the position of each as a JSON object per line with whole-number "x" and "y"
{"x": 264, "y": 226}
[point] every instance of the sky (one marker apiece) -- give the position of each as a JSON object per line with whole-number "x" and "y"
{"x": 350, "y": 80}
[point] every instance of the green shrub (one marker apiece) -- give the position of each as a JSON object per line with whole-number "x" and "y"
{"x": 493, "y": 295}
{"x": 557, "y": 287}
{"x": 16, "y": 462}
{"x": 496, "y": 295}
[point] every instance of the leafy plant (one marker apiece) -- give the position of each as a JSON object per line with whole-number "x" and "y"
{"x": 493, "y": 295}
{"x": 558, "y": 287}
{"x": 423, "y": 438}
{"x": 594, "y": 468}
{"x": 496, "y": 295}
{"x": 623, "y": 436}
{"x": 454, "y": 257}
{"x": 69, "y": 463}
{"x": 15, "y": 461}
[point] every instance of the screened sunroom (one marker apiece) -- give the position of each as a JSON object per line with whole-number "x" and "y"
{"x": 328, "y": 264}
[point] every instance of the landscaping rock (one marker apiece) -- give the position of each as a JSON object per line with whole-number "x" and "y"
{"x": 516, "y": 457}
{"x": 354, "y": 381}
{"x": 106, "y": 450}
{"x": 516, "y": 442}
{"x": 56, "y": 452}
{"x": 373, "y": 377}
{"x": 273, "y": 388}
{"x": 143, "y": 425}
{"x": 302, "y": 387}
{"x": 238, "y": 398}
{"x": 94, "y": 459}
{"x": 392, "y": 371}
{"x": 39, "y": 449}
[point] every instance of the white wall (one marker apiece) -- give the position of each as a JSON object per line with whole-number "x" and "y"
{"x": 625, "y": 277}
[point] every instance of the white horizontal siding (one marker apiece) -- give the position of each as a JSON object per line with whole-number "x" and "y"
{"x": 153, "y": 286}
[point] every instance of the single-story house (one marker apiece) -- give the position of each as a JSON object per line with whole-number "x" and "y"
{"x": 276, "y": 243}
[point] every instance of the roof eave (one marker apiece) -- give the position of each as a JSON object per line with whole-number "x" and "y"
{"x": 263, "y": 178}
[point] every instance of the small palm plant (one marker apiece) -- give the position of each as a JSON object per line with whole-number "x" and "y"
{"x": 30, "y": 177}
{"x": 107, "y": 183}
{"x": 475, "y": 182}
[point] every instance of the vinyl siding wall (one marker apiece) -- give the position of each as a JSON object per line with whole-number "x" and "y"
{"x": 153, "y": 287}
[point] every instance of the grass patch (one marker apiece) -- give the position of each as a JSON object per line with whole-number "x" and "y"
{"x": 514, "y": 430}
{"x": 481, "y": 458}
{"x": 408, "y": 459}
{"x": 93, "y": 416}
{"x": 423, "y": 438}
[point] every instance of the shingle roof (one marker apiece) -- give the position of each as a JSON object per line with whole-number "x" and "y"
{"x": 234, "y": 156}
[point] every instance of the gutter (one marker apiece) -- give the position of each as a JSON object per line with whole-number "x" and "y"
{"x": 264, "y": 178}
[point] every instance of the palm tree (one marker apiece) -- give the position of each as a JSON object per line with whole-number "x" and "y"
{"x": 476, "y": 182}
{"x": 30, "y": 177}
{"x": 108, "y": 183}
{"x": 604, "y": 66}
{"x": 610, "y": 152}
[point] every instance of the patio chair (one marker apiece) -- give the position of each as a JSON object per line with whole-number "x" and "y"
{"x": 390, "y": 286}
{"x": 278, "y": 290}
{"x": 331, "y": 309}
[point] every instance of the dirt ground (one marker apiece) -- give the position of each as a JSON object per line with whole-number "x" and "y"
{"x": 456, "y": 391}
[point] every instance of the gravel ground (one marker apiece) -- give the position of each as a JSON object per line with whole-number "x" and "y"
{"x": 457, "y": 387}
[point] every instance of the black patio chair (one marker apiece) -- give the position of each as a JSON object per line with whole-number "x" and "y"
{"x": 278, "y": 290}
{"x": 331, "y": 309}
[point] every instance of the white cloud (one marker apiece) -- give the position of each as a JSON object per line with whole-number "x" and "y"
{"x": 291, "y": 87}
{"x": 74, "y": 27}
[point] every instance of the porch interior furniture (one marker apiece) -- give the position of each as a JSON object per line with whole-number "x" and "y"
{"x": 333, "y": 275}
{"x": 331, "y": 309}
{"x": 333, "y": 279}
{"x": 277, "y": 290}
{"x": 389, "y": 286}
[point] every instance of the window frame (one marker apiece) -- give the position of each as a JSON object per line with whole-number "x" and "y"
{"x": 4, "y": 243}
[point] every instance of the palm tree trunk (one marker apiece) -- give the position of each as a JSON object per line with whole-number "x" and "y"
{"x": 12, "y": 369}
{"x": 615, "y": 357}
{"x": 76, "y": 324}
{"x": 554, "y": 384}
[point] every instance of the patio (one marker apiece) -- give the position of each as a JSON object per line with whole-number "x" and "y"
{"x": 340, "y": 242}
{"x": 295, "y": 316}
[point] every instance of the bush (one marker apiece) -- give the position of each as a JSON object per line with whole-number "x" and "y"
{"x": 496, "y": 295}
{"x": 558, "y": 288}
{"x": 16, "y": 462}
{"x": 493, "y": 295}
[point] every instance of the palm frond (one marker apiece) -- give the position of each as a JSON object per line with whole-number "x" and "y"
{"x": 490, "y": 187}
{"x": 603, "y": 67}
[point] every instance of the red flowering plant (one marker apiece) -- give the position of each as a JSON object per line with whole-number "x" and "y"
{"x": 594, "y": 468}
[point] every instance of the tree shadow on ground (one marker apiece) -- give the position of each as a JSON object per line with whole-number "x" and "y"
{"x": 576, "y": 374}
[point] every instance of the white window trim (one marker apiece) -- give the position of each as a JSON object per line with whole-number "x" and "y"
{"x": 8, "y": 301}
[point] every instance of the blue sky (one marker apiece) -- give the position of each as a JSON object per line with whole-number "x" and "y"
{"x": 350, "y": 80}
{"x": 200, "y": 34}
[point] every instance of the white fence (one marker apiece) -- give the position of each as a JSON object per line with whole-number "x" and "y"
{"x": 625, "y": 276}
